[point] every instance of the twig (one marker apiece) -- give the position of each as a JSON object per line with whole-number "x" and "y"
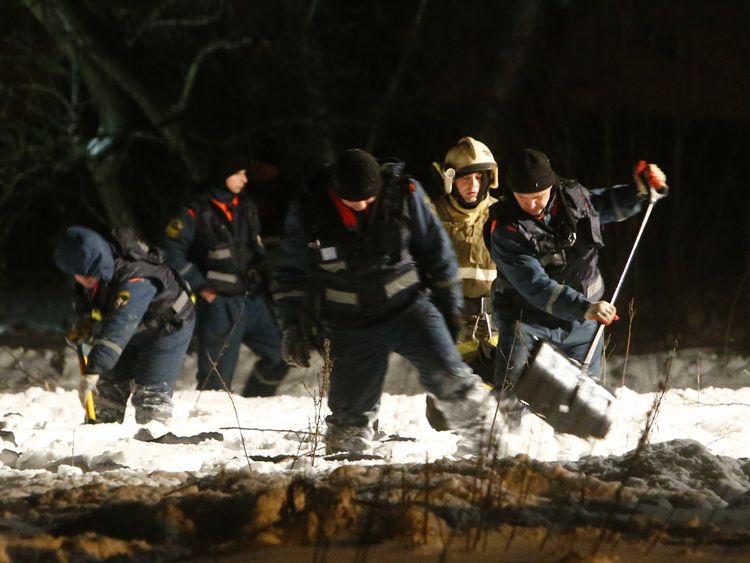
{"x": 733, "y": 308}
{"x": 631, "y": 318}
{"x": 195, "y": 67}
{"x": 18, "y": 364}
{"x": 214, "y": 367}
{"x": 698, "y": 377}
{"x": 250, "y": 428}
{"x": 651, "y": 417}
{"x": 323, "y": 379}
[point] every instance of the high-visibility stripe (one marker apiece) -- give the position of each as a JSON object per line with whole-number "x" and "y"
{"x": 180, "y": 302}
{"x": 476, "y": 273}
{"x": 595, "y": 287}
{"x": 404, "y": 281}
{"x": 343, "y": 297}
{"x": 219, "y": 254}
{"x": 333, "y": 266}
{"x": 279, "y": 295}
{"x": 108, "y": 344}
{"x": 221, "y": 276}
{"x": 185, "y": 269}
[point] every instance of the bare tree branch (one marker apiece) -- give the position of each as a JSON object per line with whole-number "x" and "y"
{"x": 195, "y": 66}
{"x": 153, "y": 23}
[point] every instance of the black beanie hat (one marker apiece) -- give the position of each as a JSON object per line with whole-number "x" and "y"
{"x": 356, "y": 175}
{"x": 224, "y": 165}
{"x": 530, "y": 172}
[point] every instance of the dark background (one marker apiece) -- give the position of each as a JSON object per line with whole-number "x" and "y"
{"x": 110, "y": 108}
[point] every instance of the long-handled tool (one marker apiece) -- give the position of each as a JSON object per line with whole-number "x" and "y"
{"x": 558, "y": 388}
{"x": 88, "y": 406}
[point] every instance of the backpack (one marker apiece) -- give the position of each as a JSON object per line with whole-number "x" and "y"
{"x": 133, "y": 247}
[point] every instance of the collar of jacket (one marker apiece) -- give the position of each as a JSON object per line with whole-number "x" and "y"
{"x": 220, "y": 192}
{"x": 458, "y": 213}
{"x": 347, "y": 215}
{"x": 224, "y": 207}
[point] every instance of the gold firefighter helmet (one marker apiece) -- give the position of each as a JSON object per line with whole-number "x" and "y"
{"x": 466, "y": 157}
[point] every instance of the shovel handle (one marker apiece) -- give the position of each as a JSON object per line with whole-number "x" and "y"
{"x": 90, "y": 416}
{"x": 600, "y": 330}
{"x": 88, "y": 407}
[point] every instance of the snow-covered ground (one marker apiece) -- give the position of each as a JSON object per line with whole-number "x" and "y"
{"x": 43, "y": 438}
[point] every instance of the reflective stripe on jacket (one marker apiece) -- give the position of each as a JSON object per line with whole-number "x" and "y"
{"x": 464, "y": 227}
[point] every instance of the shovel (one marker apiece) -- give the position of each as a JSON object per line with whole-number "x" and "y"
{"x": 558, "y": 388}
{"x": 89, "y": 416}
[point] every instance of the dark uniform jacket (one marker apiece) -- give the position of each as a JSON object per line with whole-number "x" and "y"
{"x": 548, "y": 269}
{"x": 361, "y": 268}
{"x": 215, "y": 242}
{"x": 138, "y": 296}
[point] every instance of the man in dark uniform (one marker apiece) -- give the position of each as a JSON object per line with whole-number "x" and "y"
{"x": 365, "y": 248}
{"x": 545, "y": 238}
{"x": 142, "y": 318}
{"x": 215, "y": 245}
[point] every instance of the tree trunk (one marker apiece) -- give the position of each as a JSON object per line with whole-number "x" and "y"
{"x": 103, "y": 159}
{"x": 83, "y": 37}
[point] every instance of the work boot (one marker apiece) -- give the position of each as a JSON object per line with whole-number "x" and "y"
{"x": 152, "y": 401}
{"x": 110, "y": 399}
{"x": 349, "y": 439}
{"x": 435, "y": 416}
{"x": 469, "y": 414}
{"x": 263, "y": 382}
{"x": 511, "y": 408}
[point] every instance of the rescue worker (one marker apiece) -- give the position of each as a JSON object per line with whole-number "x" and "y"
{"x": 215, "y": 245}
{"x": 140, "y": 315}
{"x": 468, "y": 174}
{"x": 544, "y": 236}
{"x": 381, "y": 276}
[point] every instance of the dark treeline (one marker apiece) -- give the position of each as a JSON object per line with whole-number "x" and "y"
{"x": 111, "y": 109}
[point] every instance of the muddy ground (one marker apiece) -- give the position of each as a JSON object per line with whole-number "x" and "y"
{"x": 670, "y": 500}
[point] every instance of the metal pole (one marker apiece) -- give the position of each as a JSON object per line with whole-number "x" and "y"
{"x": 600, "y": 330}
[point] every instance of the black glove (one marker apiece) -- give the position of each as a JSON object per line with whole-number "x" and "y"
{"x": 256, "y": 281}
{"x": 295, "y": 348}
